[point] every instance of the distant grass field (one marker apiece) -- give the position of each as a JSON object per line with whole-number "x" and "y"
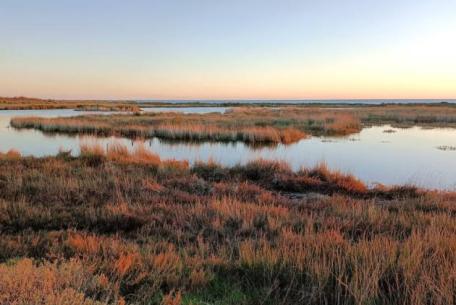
{"x": 25, "y": 103}
{"x": 122, "y": 227}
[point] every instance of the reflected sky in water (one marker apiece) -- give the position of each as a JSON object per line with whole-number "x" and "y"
{"x": 401, "y": 157}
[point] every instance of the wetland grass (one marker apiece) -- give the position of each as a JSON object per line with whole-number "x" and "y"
{"x": 26, "y": 103}
{"x": 119, "y": 226}
{"x": 253, "y": 125}
{"x": 259, "y": 125}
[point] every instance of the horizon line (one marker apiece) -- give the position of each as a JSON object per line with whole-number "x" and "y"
{"x": 226, "y": 99}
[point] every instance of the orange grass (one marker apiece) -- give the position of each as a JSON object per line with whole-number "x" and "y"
{"x": 11, "y": 154}
{"x": 26, "y": 282}
{"x": 120, "y": 153}
{"x": 23, "y": 103}
{"x": 118, "y": 231}
{"x": 171, "y": 131}
{"x": 252, "y": 125}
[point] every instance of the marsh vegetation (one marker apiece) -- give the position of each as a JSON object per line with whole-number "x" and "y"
{"x": 249, "y": 124}
{"x": 120, "y": 227}
{"x": 26, "y": 103}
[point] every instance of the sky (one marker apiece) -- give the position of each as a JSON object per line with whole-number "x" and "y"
{"x": 228, "y": 49}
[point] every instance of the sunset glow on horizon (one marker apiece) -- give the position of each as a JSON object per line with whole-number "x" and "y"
{"x": 228, "y": 49}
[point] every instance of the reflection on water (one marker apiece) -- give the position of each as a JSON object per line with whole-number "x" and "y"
{"x": 400, "y": 157}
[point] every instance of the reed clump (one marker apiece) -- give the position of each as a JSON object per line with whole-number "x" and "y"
{"x": 28, "y": 282}
{"x": 11, "y": 154}
{"x": 94, "y": 152}
{"x": 188, "y": 132}
{"x": 124, "y": 230}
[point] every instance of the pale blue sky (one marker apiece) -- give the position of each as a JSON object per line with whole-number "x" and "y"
{"x": 228, "y": 49}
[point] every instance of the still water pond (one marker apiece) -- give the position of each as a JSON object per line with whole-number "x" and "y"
{"x": 398, "y": 156}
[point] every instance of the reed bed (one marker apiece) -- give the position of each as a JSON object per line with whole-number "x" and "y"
{"x": 259, "y": 125}
{"x": 119, "y": 226}
{"x": 252, "y": 125}
{"x": 25, "y": 103}
{"x": 317, "y": 119}
{"x": 438, "y": 115}
{"x": 113, "y": 107}
{"x": 116, "y": 152}
{"x": 192, "y": 131}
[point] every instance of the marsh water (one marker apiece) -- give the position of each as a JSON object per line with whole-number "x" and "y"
{"x": 379, "y": 154}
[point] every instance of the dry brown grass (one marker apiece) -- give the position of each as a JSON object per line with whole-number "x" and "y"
{"x": 11, "y": 154}
{"x": 254, "y": 125}
{"x": 259, "y": 125}
{"x": 107, "y": 107}
{"x": 118, "y": 152}
{"x": 27, "y": 282}
{"x": 113, "y": 227}
{"x": 23, "y": 103}
{"x": 438, "y": 115}
{"x": 191, "y": 132}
